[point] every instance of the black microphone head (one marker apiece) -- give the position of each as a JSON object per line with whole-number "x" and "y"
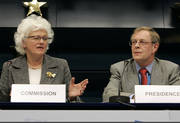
{"x": 119, "y": 99}
{"x": 122, "y": 100}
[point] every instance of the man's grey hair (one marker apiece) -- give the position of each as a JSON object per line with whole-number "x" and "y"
{"x": 154, "y": 35}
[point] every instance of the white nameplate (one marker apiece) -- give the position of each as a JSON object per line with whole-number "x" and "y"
{"x": 157, "y": 94}
{"x": 38, "y": 93}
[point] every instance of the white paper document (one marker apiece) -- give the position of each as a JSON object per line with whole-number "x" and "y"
{"x": 38, "y": 93}
{"x": 157, "y": 94}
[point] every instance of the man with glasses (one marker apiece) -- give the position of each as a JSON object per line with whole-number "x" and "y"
{"x": 143, "y": 69}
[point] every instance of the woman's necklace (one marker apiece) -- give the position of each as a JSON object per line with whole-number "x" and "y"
{"x": 34, "y": 67}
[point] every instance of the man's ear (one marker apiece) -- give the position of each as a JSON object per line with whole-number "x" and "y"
{"x": 156, "y": 46}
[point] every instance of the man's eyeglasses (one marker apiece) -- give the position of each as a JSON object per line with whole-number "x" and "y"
{"x": 140, "y": 42}
{"x": 38, "y": 38}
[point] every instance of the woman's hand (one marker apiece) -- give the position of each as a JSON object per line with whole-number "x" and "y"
{"x": 76, "y": 89}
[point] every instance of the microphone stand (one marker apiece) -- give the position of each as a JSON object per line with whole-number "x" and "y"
{"x": 121, "y": 99}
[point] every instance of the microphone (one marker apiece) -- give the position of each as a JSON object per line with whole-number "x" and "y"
{"x": 121, "y": 99}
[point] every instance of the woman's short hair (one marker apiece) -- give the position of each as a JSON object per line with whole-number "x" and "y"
{"x": 154, "y": 35}
{"x": 29, "y": 24}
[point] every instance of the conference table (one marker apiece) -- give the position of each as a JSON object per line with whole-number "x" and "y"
{"x": 89, "y": 112}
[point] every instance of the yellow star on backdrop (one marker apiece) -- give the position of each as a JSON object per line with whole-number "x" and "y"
{"x": 34, "y": 6}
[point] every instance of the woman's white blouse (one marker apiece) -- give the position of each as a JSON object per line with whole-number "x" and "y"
{"x": 34, "y": 76}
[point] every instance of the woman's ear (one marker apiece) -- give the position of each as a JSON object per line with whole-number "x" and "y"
{"x": 23, "y": 44}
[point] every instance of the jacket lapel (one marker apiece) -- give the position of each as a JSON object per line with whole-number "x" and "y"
{"x": 131, "y": 76}
{"x": 48, "y": 66}
{"x": 156, "y": 74}
{"x": 20, "y": 71}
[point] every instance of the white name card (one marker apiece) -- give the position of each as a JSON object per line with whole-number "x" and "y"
{"x": 38, "y": 93}
{"x": 157, "y": 94}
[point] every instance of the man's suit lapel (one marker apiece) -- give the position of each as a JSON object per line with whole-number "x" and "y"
{"x": 48, "y": 66}
{"x": 156, "y": 73}
{"x": 131, "y": 77}
{"x": 132, "y": 73}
